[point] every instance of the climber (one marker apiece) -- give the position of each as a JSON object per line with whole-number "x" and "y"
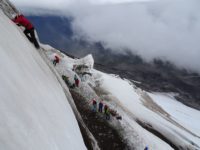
{"x": 107, "y": 112}
{"x": 94, "y": 105}
{"x": 56, "y": 60}
{"x": 20, "y": 20}
{"x": 66, "y": 79}
{"x": 100, "y": 106}
{"x": 105, "y": 108}
{"x": 76, "y": 80}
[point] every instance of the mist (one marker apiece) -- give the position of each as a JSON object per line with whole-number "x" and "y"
{"x": 169, "y": 30}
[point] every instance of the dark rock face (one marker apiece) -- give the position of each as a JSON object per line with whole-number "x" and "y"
{"x": 157, "y": 76}
{"x": 107, "y": 137}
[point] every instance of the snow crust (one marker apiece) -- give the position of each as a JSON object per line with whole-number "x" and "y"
{"x": 34, "y": 111}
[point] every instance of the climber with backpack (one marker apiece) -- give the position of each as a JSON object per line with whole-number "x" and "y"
{"x": 56, "y": 60}
{"x": 76, "y": 80}
{"x": 107, "y": 112}
{"x": 100, "y": 106}
{"x": 66, "y": 79}
{"x": 94, "y": 105}
{"x": 29, "y": 31}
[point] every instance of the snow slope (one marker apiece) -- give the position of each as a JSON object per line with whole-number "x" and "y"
{"x": 140, "y": 105}
{"x": 186, "y": 116}
{"x": 34, "y": 112}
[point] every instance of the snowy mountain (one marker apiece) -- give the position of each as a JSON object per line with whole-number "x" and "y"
{"x": 43, "y": 108}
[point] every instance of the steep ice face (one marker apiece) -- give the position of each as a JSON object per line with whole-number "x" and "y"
{"x": 34, "y": 112}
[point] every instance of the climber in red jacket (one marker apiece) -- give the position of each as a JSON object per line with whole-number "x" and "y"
{"x": 20, "y": 20}
{"x": 56, "y": 60}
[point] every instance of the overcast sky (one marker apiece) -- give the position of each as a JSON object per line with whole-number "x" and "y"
{"x": 167, "y": 29}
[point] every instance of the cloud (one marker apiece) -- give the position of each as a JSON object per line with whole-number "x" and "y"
{"x": 41, "y": 3}
{"x": 155, "y": 29}
{"x": 57, "y": 4}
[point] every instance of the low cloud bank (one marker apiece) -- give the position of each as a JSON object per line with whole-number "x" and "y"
{"x": 169, "y": 30}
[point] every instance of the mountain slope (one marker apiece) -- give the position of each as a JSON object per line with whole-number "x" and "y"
{"x": 34, "y": 112}
{"x": 158, "y": 76}
{"x": 155, "y": 120}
